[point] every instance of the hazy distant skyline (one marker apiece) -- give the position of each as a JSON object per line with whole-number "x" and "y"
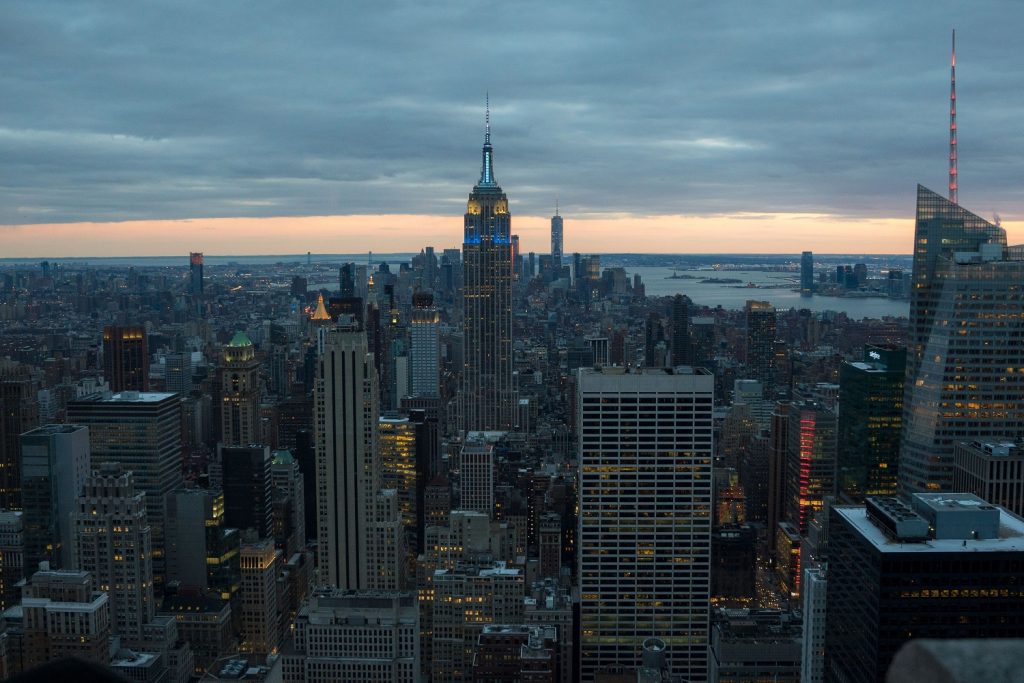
{"x": 344, "y": 127}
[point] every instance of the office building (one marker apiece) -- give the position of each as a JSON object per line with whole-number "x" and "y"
{"x": 354, "y": 636}
{"x": 466, "y": 599}
{"x": 807, "y": 272}
{"x": 486, "y": 398}
{"x": 650, "y": 574}
{"x": 992, "y": 471}
{"x": 550, "y": 605}
{"x": 178, "y": 373}
{"x": 810, "y": 461}
{"x": 396, "y": 442}
{"x": 516, "y": 652}
{"x": 760, "y": 318}
{"x": 946, "y": 566}
{"x": 12, "y": 557}
{"x": 240, "y": 398}
{"x": 476, "y": 477}
{"x": 204, "y": 622}
{"x": 425, "y": 346}
{"x": 814, "y": 590}
{"x": 557, "y": 242}
{"x": 126, "y": 358}
{"x": 202, "y": 550}
{"x": 64, "y": 616}
{"x": 682, "y": 346}
{"x": 259, "y": 562}
{"x": 19, "y": 413}
{"x": 113, "y": 543}
{"x": 289, "y": 486}
{"x": 962, "y": 379}
{"x": 361, "y": 538}
{"x": 778, "y": 449}
{"x": 142, "y": 431}
{"x": 871, "y": 397}
{"x": 248, "y": 488}
{"x": 195, "y": 275}
{"x": 754, "y": 645}
{"x": 54, "y": 467}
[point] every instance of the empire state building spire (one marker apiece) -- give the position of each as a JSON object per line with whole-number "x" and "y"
{"x": 487, "y": 168}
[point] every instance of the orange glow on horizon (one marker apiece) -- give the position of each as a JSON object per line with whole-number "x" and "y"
{"x": 724, "y": 234}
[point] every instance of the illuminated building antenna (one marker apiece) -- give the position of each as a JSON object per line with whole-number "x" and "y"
{"x": 952, "y": 125}
{"x": 487, "y": 118}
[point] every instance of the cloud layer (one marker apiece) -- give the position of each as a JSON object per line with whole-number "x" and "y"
{"x": 184, "y": 109}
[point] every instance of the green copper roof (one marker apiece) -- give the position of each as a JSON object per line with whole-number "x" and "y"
{"x": 240, "y": 339}
{"x": 283, "y": 457}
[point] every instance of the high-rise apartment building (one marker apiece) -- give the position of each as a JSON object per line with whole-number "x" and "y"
{"x": 126, "y": 358}
{"x": 947, "y": 566}
{"x": 54, "y": 467}
{"x": 760, "y": 316}
{"x": 965, "y": 341}
{"x": 113, "y": 544}
{"x": 240, "y": 400}
{"x": 142, "y": 431}
{"x": 871, "y": 397}
{"x": 645, "y": 451}
{"x": 354, "y": 636}
{"x": 425, "y": 346}
{"x": 486, "y": 399}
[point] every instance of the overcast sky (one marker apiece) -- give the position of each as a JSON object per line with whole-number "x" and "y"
{"x": 159, "y": 110}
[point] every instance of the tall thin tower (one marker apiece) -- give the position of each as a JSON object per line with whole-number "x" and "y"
{"x": 952, "y": 125}
{"x": 487, "y": 394}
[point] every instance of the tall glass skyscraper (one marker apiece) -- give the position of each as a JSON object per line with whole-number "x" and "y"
{"x": 556, "y": 241}
{"x": 487, "y": 395}
{"x": 965, "y": 364}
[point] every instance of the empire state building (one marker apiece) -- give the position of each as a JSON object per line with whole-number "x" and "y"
{"x": 486, "y": 400}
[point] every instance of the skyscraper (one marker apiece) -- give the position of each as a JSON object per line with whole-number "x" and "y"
{"x": 142, "y": 431}
{"x": 681, "y": 346}
{"x": 556, "y": 242}
{"x": 240, "y": 403}
{"x": 807, "y": 272}
{"x": 54, "y": 466}
{"x": 195, "y": 274}
{"x": 425, "y": 343}
{"x": 760, "y": 317}
{"x": 871, "y": 396}
{"x": 486, "y": 399}
{"x": 248, "y": 488}
{"x": 645, "y": 516}
{"x": 810, "y": 461}
{"x": 113, "y": 543}
{"x": 361, "y": 538}
{"x": 126, "y": 358}
{"x": 963, "y": 379}
{"x": 19, "y": 413}
{"x": 946, "y": 566}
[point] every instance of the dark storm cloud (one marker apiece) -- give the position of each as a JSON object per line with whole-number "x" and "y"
{"x": 188, "y": 109}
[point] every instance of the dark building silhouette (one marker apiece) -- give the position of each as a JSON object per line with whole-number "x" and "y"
{"x": 682, "y": 347}
{"x": 126, "y": 358}
{"x": 248, "y": 488}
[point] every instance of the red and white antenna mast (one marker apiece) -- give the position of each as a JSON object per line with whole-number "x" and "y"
{"x": 952, "y": 125}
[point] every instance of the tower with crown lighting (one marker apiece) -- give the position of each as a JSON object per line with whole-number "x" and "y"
{"x": 487, "y": 396}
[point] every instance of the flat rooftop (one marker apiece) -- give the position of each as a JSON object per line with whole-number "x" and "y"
{"x": 1011, "y": 536}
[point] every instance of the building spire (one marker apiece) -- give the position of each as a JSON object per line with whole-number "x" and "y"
{"x": 556, "y": 205}
{"x": 953, "y": 181}
{"x": 487, "y": 170}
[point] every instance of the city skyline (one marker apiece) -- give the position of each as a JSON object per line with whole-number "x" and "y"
{"x": 808, "y": 128}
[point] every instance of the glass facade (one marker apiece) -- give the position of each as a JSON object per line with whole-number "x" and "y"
{"x": 965, "y": 366}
